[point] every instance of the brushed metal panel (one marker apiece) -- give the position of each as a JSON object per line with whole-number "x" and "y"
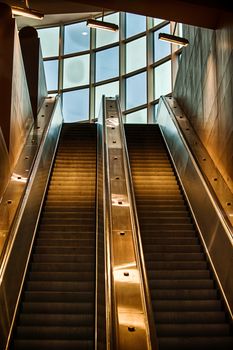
{"x": 23, "y": 228}
{"x": 216, "y": 233}
{"x": 207, "y": 166}
{"x": 122, "y": 239}
{"x": 101, "y": 336}
{"x": 21, "y": 117}
{"x": 127, "y": 304}
{"x": 18, "y": 180}
{"x": 5, "y": 164}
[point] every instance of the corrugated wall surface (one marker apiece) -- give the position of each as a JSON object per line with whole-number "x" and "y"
{"x": 204, "y": 89}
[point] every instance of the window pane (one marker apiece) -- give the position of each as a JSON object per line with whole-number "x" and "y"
{"x": 157, "y": 21}
{"x": 109, "y": 90}
{"x": 51, "y": 74}
{"x": 139, "y": 117}
{"x": 155, "y": 112}
{"x": 162, "y": 79}
{"x": 134, "y": 24}
{"x": 136, "y": 90}
{"x": 76, "y": 71}
{"x": 136, "y": 54}
{"x": 49, "y": 40}
{"x": 105, "y": 37}
{"x": 107, "y": 64}
{"x": 77, "y": 38}
{"x": 161, "y": 48}
{"x": 76, "y": 105}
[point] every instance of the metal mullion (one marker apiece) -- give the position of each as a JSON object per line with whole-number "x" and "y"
{"x": 92, "y": 75}
{"x": 60, "y": 60}
{"x": 74, "y": 88}
{"x": 135, "y": 109}
{"x": 161, "y": 61}
{"x": 76, "y": 54}
{"x": 150, "y": 81}
{"x": 134, "y": 37}
{"x": 159, "y": 26}
{"x": 122, "y": 69}
{"x": 105, "y": 47}
{"x": 107, "y": 81}
{"x": 135, "y": 72}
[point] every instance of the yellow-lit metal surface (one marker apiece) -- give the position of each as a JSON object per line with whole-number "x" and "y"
{"x": 129, "y": 314}
{"x": 20, "y": 232}
{"x": 5, "y": 164}
{"x": 21, "y": 118}
{"x": 209, "y": 170}
{"x": 101, "y": 337}
{"x": 17, "y": 181}
{"x": 215, "y": 231}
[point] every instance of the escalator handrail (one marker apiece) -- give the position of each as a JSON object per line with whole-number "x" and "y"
{"x": 107, "y": 219}
{"x": 137, "y": 234}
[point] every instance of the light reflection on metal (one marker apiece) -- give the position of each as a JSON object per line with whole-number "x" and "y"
{"x": 126, "y": 276}
{"x": 134, "y": 319}
{"x": 18, "y": 178}
{"x": 173, "y": 39}
{"x": 93, "y": 23}
{"x": 112, "y": 122}
{"x": 27, "y": 12}
{"x": 119, "y": 200}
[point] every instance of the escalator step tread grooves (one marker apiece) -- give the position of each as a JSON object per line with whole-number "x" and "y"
{"x": 188, "y": 310}
{"x": 58, "y": 300}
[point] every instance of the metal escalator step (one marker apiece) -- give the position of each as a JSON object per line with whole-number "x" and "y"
{"x": 58, "y": 296}
{"x": 59, "y": 258}
{"x": 55, "y": 332}
{"x": 170, "y": 241}
{"x": 189, "y": 330}
{"x": 174, "y": 256}
{"x": 61, "y": 276}
{"x": 35, "y": 344}
{"x": 168, "y": 234}
{"x": 64, "y": 228}
{"x": 63, "y": 250}
{"x": 184, "y": 294}
{"x": 186, "y": 317}
{"x": 193, "y": 343}
{"x": 186, "y": 305}
{"x": 47, "y": 307}
{"x": 181, "y": 284}
{"x": 65, "y": 235}
{"x": 178, "y": 274}
{"x": 172, "y": 248}
{"x": 56, "y": 319}
{"x": 61, "y": 267}
{"x": 65, "y": 242}
{"x": 176, "y": 265}
{"x": 59, "y": 286}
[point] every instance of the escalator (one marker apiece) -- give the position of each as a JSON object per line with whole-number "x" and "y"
{"x": 187, "y": 307}
{"x": 57, "y": 308}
